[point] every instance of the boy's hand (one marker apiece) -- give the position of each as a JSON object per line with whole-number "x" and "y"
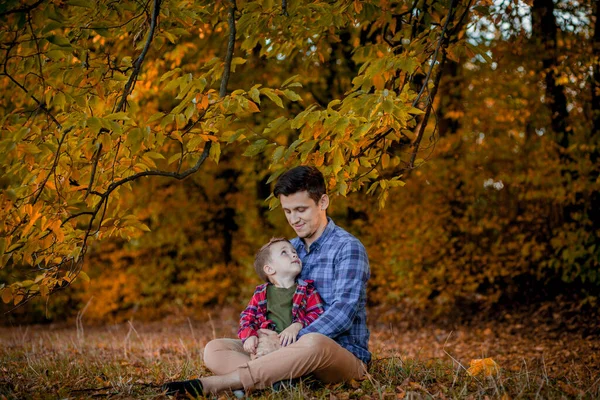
{"x": 250, "y": 344}
{"x": 267, "y": 343}
{"x": 289, "y": 334}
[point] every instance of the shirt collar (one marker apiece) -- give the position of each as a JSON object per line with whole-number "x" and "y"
{"x": 319, "y": 242}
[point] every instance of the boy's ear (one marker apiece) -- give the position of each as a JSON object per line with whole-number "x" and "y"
{"x": 268, "y": 270}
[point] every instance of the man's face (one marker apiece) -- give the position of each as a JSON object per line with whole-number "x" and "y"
{"x": 304, "y": 215}
{"x": 284, "y": 261}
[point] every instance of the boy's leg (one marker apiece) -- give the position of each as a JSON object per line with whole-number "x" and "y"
{"x": 312, "y": 353}
{"x": 223, "y": 356}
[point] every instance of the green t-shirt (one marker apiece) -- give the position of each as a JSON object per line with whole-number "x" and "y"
{"x": 279, "y": 306}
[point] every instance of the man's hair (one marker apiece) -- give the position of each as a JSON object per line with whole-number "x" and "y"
{"x": 263, "y": 257}
{"x": 299, "y": 179}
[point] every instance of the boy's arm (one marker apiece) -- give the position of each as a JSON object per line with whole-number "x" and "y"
{"x": 350, "y": 279}
{"x": 314, "y": 306}
{"x": 248, "y": 318}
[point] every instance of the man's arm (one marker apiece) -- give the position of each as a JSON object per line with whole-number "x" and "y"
{"x": 350, "y": 279}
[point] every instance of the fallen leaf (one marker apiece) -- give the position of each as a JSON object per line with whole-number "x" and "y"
{"x": 483, "y": 366}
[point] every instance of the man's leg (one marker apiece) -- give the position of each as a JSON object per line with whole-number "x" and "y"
{"x": 223, "y": 356}
{"x": 312, "y": 353}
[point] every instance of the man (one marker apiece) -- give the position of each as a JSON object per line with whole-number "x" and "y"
{"x": 334, "y": 348}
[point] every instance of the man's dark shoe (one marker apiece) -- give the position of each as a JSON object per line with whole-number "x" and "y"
{"x": 285, "y": 384}
{"x": 193, "y": 387}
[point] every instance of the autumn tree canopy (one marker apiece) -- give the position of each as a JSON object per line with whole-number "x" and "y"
{"x": 489, "y": 111}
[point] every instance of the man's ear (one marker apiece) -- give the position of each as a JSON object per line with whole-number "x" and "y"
{"x": 324, "y": 202}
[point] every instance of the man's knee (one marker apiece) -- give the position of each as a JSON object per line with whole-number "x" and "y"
{"x": 317, "y": 343}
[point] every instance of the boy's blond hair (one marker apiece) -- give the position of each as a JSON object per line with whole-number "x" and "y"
{"x": 263, "y": 257}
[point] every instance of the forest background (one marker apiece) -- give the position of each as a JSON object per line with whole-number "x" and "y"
{"x": 459, "y": 140}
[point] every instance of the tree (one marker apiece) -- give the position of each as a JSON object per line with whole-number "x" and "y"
{"x": 102, "y": 95}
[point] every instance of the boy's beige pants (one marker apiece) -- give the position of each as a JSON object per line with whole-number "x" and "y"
{"x": 312, "y": 353}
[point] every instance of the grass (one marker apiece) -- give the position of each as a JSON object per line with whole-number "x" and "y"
{"x": 132, "y": 360}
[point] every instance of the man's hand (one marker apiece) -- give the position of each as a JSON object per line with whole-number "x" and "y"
{"x": 250, "y": 344}
{"x": 289, "y": 334}
{"x": 268, "y": 341}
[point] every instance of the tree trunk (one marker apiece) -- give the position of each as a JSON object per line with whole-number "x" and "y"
{"x": 544, "y": 33}
{"x": 596, "y": 72}
{"x": 451, "y": 106}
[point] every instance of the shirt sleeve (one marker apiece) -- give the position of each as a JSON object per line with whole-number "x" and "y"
{"x": 314, "y": 306}
{"x": 349, "y": 288}
{"x": 248, "y": 319}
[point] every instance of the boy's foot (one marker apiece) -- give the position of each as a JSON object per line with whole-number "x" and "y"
{"x": 193, "y": 387}
{"x": 239, "y": 394}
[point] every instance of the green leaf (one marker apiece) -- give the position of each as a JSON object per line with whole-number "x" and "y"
{"x": 215, "y": 152}
{"x": 293, "y": 96}
{"x": 94, "y": 124}
{"x": 173, "y": 158}
{"x": 289, "y": 80}
{"x": 271, "y": 95}
{"x": 118, "y": 116}
{"x": 169, "y": 74}
{"x": 255, "y": 94}
{"x": 278, "y": 153}
{"x": 154, "y": 155}
{"x": 255, "y": 148}
{"x": 59, "y": 40}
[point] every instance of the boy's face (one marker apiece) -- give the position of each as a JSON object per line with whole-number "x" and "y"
{"x": 284, "y": 261}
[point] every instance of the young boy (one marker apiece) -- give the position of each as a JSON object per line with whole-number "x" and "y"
{"x": 282, "y": 304}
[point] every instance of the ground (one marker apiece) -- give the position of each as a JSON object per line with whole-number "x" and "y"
{"x": 131, "y": 360}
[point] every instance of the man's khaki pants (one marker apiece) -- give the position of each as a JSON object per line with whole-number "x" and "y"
{"x": 312, "y": 353}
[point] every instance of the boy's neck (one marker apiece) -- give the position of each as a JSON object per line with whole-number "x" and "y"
{"x": 284, "y": 283}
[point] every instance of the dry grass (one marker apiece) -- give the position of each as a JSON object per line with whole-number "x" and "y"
{"x": 132, "y": 360}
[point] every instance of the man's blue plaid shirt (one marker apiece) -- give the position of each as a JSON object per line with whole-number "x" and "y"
{"x": 338, "y": 265}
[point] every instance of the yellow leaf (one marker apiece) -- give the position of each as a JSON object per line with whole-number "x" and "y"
{"x": 7, "y": 295}
{"x": 84, "y": 276}
{"x": 483, "y": 366}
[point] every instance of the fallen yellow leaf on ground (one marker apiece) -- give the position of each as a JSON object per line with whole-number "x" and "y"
{"x": 483, "y": 366}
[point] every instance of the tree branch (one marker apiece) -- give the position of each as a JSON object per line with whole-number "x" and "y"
{"x": 435, "y": 54}
{"x": 93, "y": 173}
{"x": 56, "y": 158}
{"x": 230, "y": 48}
{"x": 284, "y": 10}
{"x": 24, "y": 9}
{"x": 419, "y": 137}
{"x": 23, "y": 88}
{"x": 138, "y": 62}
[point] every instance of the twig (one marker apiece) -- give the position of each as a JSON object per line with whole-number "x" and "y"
{"x": 230, "y": 48}
{"x": 56, "y": 158}
{"x": 175, "y": 175}
{"x": 93, "y": 173}
{"x": 421, "y": 132}
{"x": 137, "y": 66}
{"x": 435, "y": 53}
